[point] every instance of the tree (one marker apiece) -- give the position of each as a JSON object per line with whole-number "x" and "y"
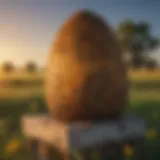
{"x": 8, "y": 67}
{"x": 137, "y": 39}
{"x": 31, "y": 67}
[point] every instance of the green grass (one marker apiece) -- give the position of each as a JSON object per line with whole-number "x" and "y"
{"x": 16, "y": 100}
{"x": 10, "y": 115}
{"x": 11, "y": 112}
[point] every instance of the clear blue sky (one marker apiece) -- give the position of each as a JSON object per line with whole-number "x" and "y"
{"x": 28, "y": 27}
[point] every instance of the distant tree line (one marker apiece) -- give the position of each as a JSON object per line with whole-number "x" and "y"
{"x": 9, "y": 67}
{"x": 137, "y": 39}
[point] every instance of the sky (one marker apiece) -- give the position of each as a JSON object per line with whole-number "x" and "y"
{"x": 28, "y": 27}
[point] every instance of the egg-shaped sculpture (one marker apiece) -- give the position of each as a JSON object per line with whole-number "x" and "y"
{"x": 86, "y": 77}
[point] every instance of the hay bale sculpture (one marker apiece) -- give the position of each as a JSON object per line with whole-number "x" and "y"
{"x": 86, "y": 78}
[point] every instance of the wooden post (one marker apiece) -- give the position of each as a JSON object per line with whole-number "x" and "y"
{"x": 32, "y": 148}
{"x": 52, "y": 140}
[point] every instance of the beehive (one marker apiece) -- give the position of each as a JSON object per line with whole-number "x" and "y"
{"x": 86, "y": 77}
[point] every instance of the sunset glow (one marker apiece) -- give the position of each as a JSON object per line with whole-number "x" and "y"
{"x": 27, "y": 30}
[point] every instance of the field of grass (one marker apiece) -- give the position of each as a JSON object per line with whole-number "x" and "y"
{"x": 26, "y": 96}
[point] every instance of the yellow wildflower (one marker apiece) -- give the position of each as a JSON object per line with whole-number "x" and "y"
{"x": 128, "y": 151}
{"x": 13, "y": 146}
{"x": 151, "y": 133}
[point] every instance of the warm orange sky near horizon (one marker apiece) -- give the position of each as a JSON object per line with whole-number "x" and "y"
{"x": 28, "y": 29}
{"x": 18, "y": 45}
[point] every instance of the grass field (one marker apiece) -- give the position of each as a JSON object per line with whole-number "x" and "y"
{"x": 24, "y": 94}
